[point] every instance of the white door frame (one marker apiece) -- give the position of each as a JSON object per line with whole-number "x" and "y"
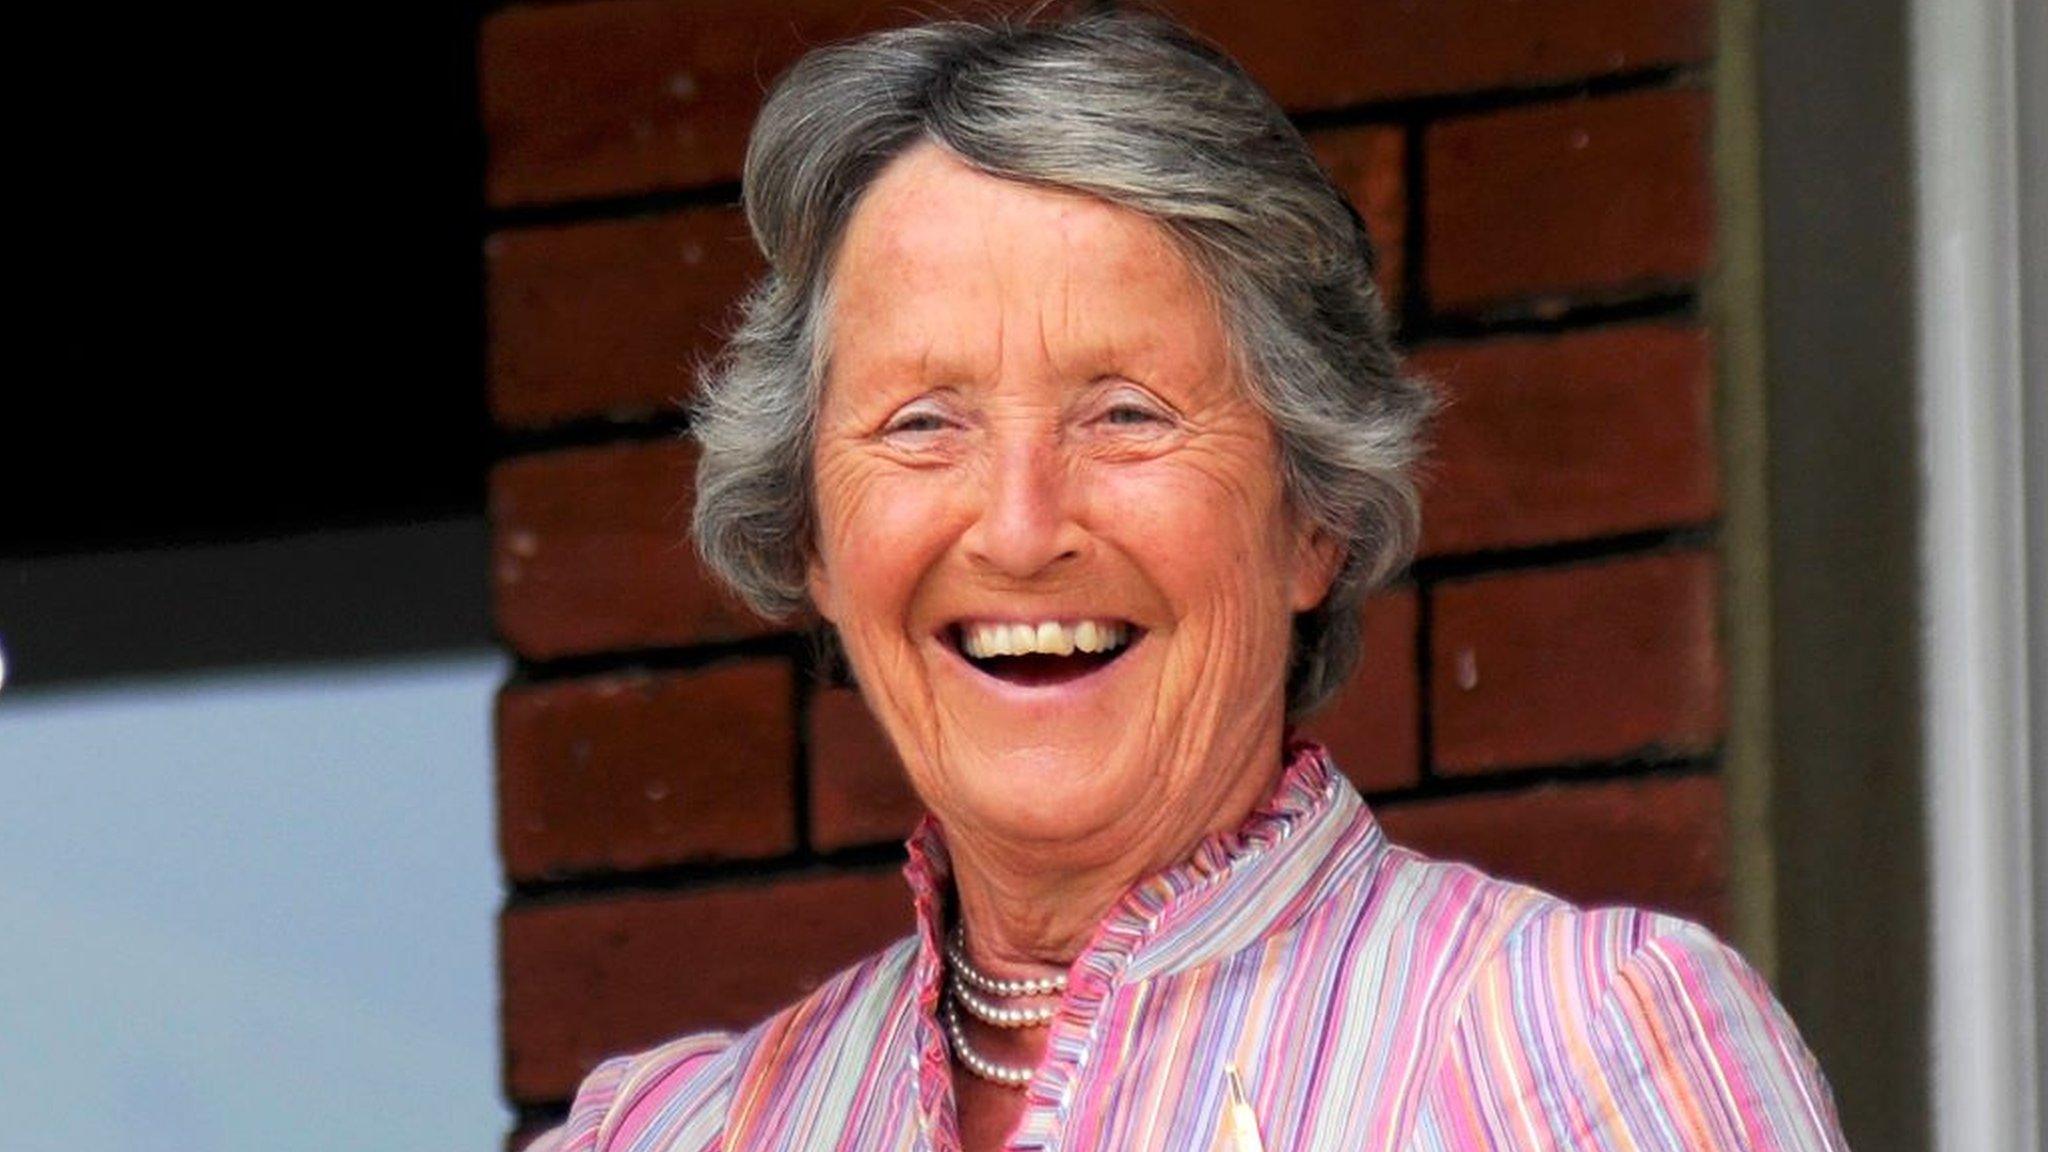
{"x": 1976, "y": 80}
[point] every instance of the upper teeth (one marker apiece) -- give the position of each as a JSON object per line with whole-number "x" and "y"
{"x": 1051, "y": 637}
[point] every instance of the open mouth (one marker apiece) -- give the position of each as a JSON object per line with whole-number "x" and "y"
{"x": 1043, "y": 652}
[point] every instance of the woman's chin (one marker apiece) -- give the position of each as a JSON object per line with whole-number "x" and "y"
{"x": 1043, "y": 793}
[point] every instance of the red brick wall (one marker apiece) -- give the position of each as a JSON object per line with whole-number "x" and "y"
{"x": 695, "y": 831}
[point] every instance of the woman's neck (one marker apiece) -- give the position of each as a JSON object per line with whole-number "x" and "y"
{"x": 1023, "y": 927}
{"x": 1028, "y": 910}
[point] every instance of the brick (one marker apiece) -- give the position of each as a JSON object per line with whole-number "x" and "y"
{"x": 590, "y": 552}
{"x": 627, "y": 96}
{"x": 858, "y": 791}
{"x": 586, "y": 980}
{"x": 1658, "y": 842}
{"x": 1371, "y": 726}
{"x": 1334, "y": 53}
{"x": 1551, "y": 438}
{"x": 640, "y": 769}
{"x": 1581, "y": 663}
{"x": 619, "y": 97}
{"x": 611, "y": 319}
{"x": 1589, "y": 197}
{"x": 1370, "y": 165}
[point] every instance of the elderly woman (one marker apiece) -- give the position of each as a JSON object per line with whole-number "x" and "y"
{"x": 1069, "y": 405}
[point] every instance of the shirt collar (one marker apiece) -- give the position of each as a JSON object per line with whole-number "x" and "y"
{"x": 1235, "y": 887}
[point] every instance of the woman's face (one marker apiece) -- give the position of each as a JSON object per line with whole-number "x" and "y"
{"x": 1051, "y": 529}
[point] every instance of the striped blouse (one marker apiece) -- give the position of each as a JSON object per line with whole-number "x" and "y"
{"x": 1369, "y": 997}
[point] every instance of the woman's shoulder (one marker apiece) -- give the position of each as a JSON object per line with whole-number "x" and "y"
{"x": 679, "y": 1085}
{"x": 677, "y": 1095}
{"x": 1533, "y": 942}
{"x": 1507, "y": 926}
{"x": 1628, "y": 1019}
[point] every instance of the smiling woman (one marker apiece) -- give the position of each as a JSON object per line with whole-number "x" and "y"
{"x": 1069, "y": 406}
{"x": 1032, "y": 420}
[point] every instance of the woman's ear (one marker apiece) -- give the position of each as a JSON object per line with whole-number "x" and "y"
{"x": 1317, "y": 558}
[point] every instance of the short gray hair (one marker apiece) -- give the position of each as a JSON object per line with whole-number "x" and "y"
{"x": 1134, "y": 110}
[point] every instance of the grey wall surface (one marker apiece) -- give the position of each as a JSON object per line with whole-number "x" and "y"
{"x": 1847, "y": 767}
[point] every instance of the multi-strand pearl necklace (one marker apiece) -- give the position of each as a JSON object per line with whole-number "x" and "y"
{"x": 966, "y": 987}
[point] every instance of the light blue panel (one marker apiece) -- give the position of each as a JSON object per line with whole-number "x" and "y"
{"x": 251, "y": 912}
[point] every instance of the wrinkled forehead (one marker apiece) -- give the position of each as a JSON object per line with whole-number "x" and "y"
{"x": 948, "y": 268}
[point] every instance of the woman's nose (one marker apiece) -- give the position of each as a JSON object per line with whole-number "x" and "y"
{"x": 1025, "y": 527}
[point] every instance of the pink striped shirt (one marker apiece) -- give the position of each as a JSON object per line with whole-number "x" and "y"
{"x": 1370, "y": 997}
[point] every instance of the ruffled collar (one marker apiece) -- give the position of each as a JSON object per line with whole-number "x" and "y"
{"x": 1235, "y": 887}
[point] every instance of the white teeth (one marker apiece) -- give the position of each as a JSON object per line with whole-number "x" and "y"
{"x": 1051, "y": 637}
{"x": 1055, "y": 639}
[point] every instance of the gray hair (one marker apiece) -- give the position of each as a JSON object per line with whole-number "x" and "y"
{"x": 1135, "y": 111}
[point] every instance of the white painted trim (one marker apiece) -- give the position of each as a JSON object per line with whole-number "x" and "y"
{"x": 1975, "y": 451}
{"x": 2030, "y": 68}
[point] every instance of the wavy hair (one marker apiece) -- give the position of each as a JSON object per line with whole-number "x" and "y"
{"x": 1134, "y": 110}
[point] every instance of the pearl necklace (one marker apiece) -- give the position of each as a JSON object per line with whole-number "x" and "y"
{"x": 956, "y": 955}
{"x": 999, "y": 1016}
{"x": 1006, "y": 1075}
{"x": 963, "y": 980}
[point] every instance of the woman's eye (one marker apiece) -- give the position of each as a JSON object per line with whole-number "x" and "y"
{"x": 1132, "y": 415}
{"x": 916, "y": 422}
{"x": 919, "y": 425}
